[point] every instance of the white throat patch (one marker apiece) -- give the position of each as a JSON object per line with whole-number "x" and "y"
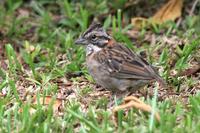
{"x": 92, "y": 48}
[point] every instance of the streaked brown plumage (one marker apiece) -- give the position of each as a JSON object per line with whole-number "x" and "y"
{"x": 113, "y": 65}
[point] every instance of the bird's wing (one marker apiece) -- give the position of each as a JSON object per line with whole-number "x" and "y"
{"x": 122, "y": 63}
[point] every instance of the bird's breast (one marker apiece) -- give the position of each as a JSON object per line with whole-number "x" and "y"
{"x": 92, "y": 65}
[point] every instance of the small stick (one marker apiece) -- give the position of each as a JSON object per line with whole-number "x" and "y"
{"x": 193, "y": 7}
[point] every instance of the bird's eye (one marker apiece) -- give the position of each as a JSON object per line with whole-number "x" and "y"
{"x": 94, "y": 37}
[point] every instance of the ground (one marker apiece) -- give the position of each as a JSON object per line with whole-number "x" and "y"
{"x": 45, "y": 85}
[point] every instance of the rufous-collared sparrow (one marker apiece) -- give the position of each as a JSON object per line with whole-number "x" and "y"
{"x": 113, "y": 65}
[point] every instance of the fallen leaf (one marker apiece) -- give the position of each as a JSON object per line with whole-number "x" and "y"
{"x": 23, "y": 12}
{"x": 47, "y": 100}
{"x": 170, "y": 11}
{"x": 139, "y": 22}
{"x": 132, "y": 101}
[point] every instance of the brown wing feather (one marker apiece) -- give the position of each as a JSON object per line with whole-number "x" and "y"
{"x": 124, "y": 64}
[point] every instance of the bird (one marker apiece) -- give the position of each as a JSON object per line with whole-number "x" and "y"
{"x": 113, "y": 65}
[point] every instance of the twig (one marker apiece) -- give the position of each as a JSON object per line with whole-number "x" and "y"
{"x": 193, "y": 7}
{"x": 190, "y": 71}
{"x": 177, "y": 24}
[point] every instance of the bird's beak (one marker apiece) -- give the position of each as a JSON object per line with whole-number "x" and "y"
{"x": 81, "y": 40}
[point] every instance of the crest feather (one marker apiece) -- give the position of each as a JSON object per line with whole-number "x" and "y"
{"x": 93, "y": 26}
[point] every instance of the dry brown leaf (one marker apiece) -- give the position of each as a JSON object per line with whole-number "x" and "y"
{"x": 139, "y": 22}
{"x": 48, "y": 100}
{"x": 23, "y": 12}
{"x": 132, "y": 101}
{"x": 170, "y": 11}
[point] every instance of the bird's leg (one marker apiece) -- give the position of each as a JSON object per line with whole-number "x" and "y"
{"x": 116, "y": 99}
{"x": 131, "y": 101}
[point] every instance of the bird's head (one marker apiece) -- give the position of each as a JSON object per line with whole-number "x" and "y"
{"x": 94, "y": 35}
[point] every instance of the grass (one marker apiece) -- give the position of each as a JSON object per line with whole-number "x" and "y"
{"x": 39, "y": 60}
